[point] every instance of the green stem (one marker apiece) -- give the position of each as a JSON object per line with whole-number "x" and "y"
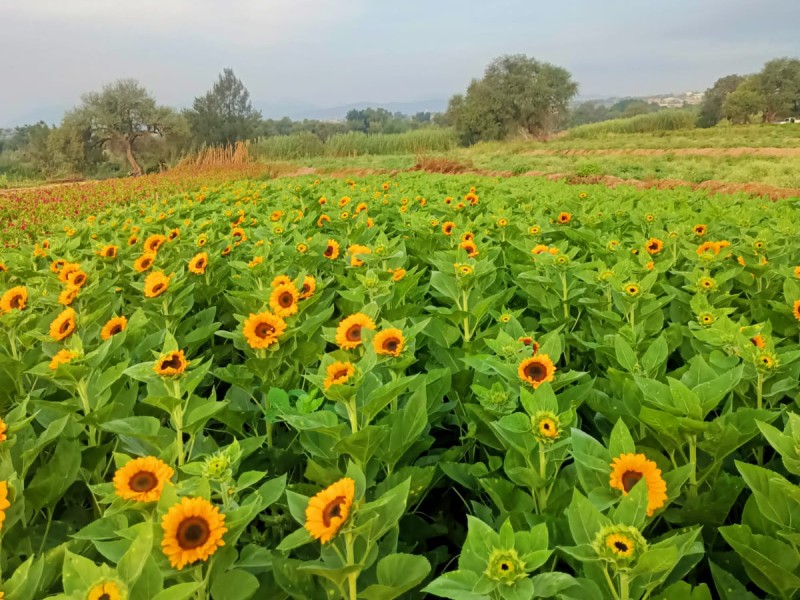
{"x": 693, "y": 462}
{"x": 610, "y": 583}
{"x": 352, "y": 413}
{"x": 465, "y": 307}
{"x": 759, "y": 406}
{"x": 544, "y": 492}
{"x": 352, "y": 578}
{"x": 565, "y": 303}
{"x": 624, "y": 592}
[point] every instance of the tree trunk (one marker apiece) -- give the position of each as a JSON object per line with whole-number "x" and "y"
{"x": 137, "y": 169}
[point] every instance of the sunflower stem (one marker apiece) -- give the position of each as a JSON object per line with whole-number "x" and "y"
{"x": 465, "y": 308}
{"x": 759, "y": 406}
{"x": 352, "y": 578}
{"x": 610, "y": 583}
{"x": 693, "y": 462}
{"x": 565, "y": 303}
{"x": 624, "y": 592}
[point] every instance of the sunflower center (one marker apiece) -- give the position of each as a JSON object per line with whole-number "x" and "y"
{"x": 328, "y": 251}
{"x": 147, "y": 262}
{"x": 143, "y": 481}
{"x": 200, "y": 264}
{"x": 391, "y": 344}
{"x": 546, "y": 426}
{"x": 653, "y": 246}
{"x": 104, "y": 596}
{"x": 65, "y": 325}
{"x": 193, "y": 532}
{"x": 286, "y": 299}
{"x": 16, "y": 301}
{"x": 629, "y": 479}
{"x": 264, "y": 330}
{"x": 536, "y": 371}
{"x": 621, "y": 546}
{"x": 306, "y": 288}
{"x": 354, "y": 333}
{"x": 115, "y": 329}
{"x": 158, "y": 288}
{"x": 341, "y": 374}
{"x": 79, "y": 279}
{"x": 173, "y": 362}
{"x": 332, "y": 510}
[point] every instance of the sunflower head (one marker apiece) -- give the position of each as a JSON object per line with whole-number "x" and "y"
{"x": 62, "y": 357}
{"x": 113, "y": 326}
{"x": 63, "y": 325}
{"x": 171, "y": 364}
{"x": 338, "y": 373}
{"x": 706, "y": 319}
{"x": 448, "y": 227}
{"x": 348, "y": 333}
{"x": 107, "y": 590}
{"x": 546, "y": 426}
{"x": 628, "y": 469}
{"x": 108, "y": 252}
{"x": 631, "y": 289}
{"x": 193, "y": 531}
{"x": 329, "y": 510}
{"x": 389, "y": 342}
{"x": 767, "y": 361}
{"x": 796, "y": 309}
{"x": 331, "y": 250}
{"x": 142, "y": 479}
{"x": 537, "y": 370}
{"x": 534, "y": 230}
{"x": 564, "y": 218}
{"x": 283, "y": 300}
{"x": 198, "y": 263}
{"x": 263, "y": 329}
{"x": 309, "y": 287}
{"x": 14, "y": 299}
{"x": 505, "y": 566}
{"x": 706, "y": 284}
{"x": 620, "y": 544}
{"x": 654, "y": 246}
{"x": 144, "y": 262}
{"x": 354, "y": 251}
{"x": 700, "y": 229}
{"x": 154, "y": 242}
{"x": 155, "y": 284}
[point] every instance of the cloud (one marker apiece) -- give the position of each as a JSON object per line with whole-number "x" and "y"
{"x": 249, "y": 23}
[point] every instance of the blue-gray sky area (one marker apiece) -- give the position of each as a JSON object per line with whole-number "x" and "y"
{"x": 296, "y": 55}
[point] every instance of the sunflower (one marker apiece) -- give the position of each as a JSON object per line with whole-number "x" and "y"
{"x": 355, "y": 250}
{"x": 546, "y": 426}
{"x": 238, "y": 235}
{"x": 156, "y": 284}
{"x": 56, "y": 265}
{"x": 470, "y": 248}
{"x": 331, "y": 250}
{"x": 142, "y": 479}
{"x": 796, "y": 310}
{"x": 447, "y": 227}
{"x": 706, "y": 284}
{"x": 338, "y": 373}
{"x": 328, "y": 510}
{"x": 63, "y": 325}
{"x": 348, "y": 333}
{"x": 654, "y": 246}
{"x": 67, "y": 270}
{"x": 631, "y": 289}
{"x": 198, "y": 263}
{"x": 193, "y": 531}
{"x": 3, "y": 429}
{"x": 257, "y": 260}
{"x": 322, "y": 220}
{"x": 263, "y": 329}
{"x": 472, "y": 198}
{"x": 759, "y": 342}
{"x": 4, "y": 503}
{"x": 706, "y": 319}
{"x": 537, "y": 370}
{"x": 171, "y": 363}
{"x": 700, "y": 229}
{"x": 202, "y": 241}
{"x": 309, "y": 286}
{"x": 302, "y": 248}
{"x": 283, "y": 300}
{"x": 620, "y": 543}
{"x": 68, "y": 295}
{"x": 154, "y": 242}
{"x": 539, "y": 249}
{"x": 227, "y": 250}
{"x": 398, "y": 274}
{"x": 3, "y": 268}
{"x": 464, "y": 270}
{"x": 767, "y": 360}
{"x": 144, "y": 262}
{"x": 741, "y": 261}
{"x": 797, "y": 272}
{"x": 77, "y": 278}
{"x": 628, "y": 469}
{"x": 650, "y": 265}
{"x": 109, "y": 252}
{"x": 62, "y": 357}
{"x": 114, "y": 326}
{"x": 14, "y": 299}
{"x": 389, "y": 342}
{"x": 564, "y": 218}
{"x": 468, "y": 237}
{"x": 502, "y": 222}
{"x": 534, "y": 230}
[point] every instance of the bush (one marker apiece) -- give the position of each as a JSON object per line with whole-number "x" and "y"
{"x": 664, "y": 120}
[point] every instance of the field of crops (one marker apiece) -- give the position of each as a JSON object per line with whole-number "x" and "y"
{"x": 421, "y": 386}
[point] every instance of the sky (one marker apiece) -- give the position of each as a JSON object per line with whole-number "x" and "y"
{"x": 295, "y": 55}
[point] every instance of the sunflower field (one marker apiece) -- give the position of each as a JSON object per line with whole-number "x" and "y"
{"x": 426, "y": 386}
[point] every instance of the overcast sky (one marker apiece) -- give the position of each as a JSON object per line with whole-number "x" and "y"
{"x": 324, "y": 53}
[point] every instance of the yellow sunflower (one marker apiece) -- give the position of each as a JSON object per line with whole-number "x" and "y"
{"x": 171, "y": 363}
{"x": 302, "y": 248}
{"x": 328, "y": 510}
{"x": 193, "y": 531}
{"x": 700, "y": 229}
{"x": 628, "y": 469}
{"x": 156, "y": 284}
{"x": 447, "y": 227}
{"x": 546, "y": 426}
{"x": 796, "y": 310}
{"x": 759, "y": 342}
{"x": 654, "y": 246}
{"x": 398, "y": 274}
{"x": 389, "y": 342}
{"x": 154, "y": 242}
{"x": 631, "y": 289}
{"x": 355, "y": 250}
{"x": 133, "y": 240}
{"x": 338, "y": 373}
{"x": 144, "y": 262}
{"x": 68, "y": 295}
{"x": 3, "y": 429}
{"x": 348, "y": 333}
{"x": 283, "y": 300}
{"x": 309, "y": 286}
{"x": 109, "y": 252}
{"x": 263, "y": 329}
{"x": 4, "y": 503}
{"x": 537, "y": 370}
{"x": 564, "y": 218}
{"x": 331, "y": 250}
{"x": 78, "y": 279}
{"x": 14, "y": 299}
{"x": 62, "y": 357}
{"x": 114, "y": 326}
{"x": 198, "y": 263}
{"x": 63, "y": 325}
{"x": 142, "y": 479}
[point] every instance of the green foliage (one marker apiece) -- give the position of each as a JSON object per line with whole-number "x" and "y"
{"x": 711, "y": 109}
{"x": 663, "y": 120}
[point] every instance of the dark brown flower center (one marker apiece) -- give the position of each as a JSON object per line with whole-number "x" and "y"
{"x": 536, "y": 371}
{"x": 629, "y": 479}
{"x": 341, "y": 374}
{"x": 143, "y": 481}
{"x": 264, "y": 330}
{"x": 146, "y": 263}
{"x": 117, "y": 328}
{"x": 332, "y": 509}
{"x": 104, "y": 596}
{"x": 79, "y": 279}
{"x": 306, "y": 288}
{"x": 329, "y": 251}
{"x": 193, "y": 532}
{"x": 286, "y": 299}
{"x": 392, "y": 344}
{"x": 200, "y": 264}
{"x": 158, "y": 288}
{"x": 16, "y": 301}
{"x": 172, "y": 362}
{"x": 504, "y": 566}
{"x": 621, "y": 546}
{"x": 353, "y": 333}
{"x": 65, "y": 326}
{"x": 653, "y": 246}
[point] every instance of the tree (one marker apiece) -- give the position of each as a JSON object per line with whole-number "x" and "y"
{"x": 779, "y": 83}
{"x": 517, "y": 94}
{"x": 743, "y": 102}
{"x": 224, "y": 115}
{"x": 120, "y": 117}
{"x": 711, "y": 108}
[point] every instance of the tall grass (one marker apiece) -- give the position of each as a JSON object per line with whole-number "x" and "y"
{"x": 353, "y": 143}
{"x": 664, "y": 120}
